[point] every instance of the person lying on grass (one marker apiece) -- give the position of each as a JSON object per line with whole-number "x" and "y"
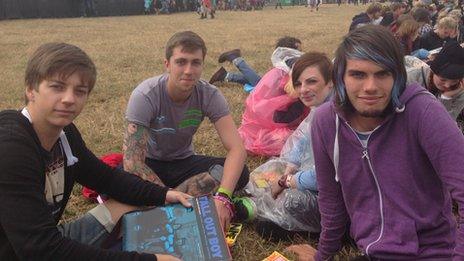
{"x": 43, "y": 155}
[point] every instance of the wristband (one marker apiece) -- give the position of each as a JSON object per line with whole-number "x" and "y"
{"x": 227, "y": 203}
{"x": 225, "y": 191}
{"x": 288, "y": 181}
{"x": 223, "y": 195}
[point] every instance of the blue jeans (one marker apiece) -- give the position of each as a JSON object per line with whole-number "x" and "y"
{"x": 246, "y": 74}
{"x": 86, "y": 230}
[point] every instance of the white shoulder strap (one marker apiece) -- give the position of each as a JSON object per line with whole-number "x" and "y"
{"x": 336, "y": 152}
{"x": 71, "y": 159}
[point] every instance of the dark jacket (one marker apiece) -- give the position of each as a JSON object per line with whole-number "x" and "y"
{"x": 359, "y": 20}
{"x": 431, "y": 41}
{"x": 27, "y": 226}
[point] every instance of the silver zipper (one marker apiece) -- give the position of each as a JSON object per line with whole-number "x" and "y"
{"x": 366, "y": 156}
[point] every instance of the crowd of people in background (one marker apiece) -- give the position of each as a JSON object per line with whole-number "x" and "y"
{"x": 419, "y": 26}
{"x": 200, "y": 6}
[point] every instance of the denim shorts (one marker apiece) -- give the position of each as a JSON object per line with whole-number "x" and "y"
{"x": 91, "y": 229}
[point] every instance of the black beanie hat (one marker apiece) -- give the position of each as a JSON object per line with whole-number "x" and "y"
{"x": 449, "y": 62}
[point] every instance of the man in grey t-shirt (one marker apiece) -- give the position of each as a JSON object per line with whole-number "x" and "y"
{"x": 163, "y": 114}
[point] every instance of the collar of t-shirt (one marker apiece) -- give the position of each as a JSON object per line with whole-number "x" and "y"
{"x": 71, "y": 159}
{"x": 364, "y": 136}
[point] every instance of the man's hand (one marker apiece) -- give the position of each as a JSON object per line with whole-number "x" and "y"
{"x": 161, "y": 257}
{"x": 224, "y": 214}
{"x": 174, "y": 196}
{"x": 304, "y": 252}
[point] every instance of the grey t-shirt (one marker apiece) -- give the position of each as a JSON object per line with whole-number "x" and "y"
{"x": 172, "y": 125}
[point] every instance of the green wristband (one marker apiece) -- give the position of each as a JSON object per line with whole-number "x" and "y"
{"x": 225, "y": 191}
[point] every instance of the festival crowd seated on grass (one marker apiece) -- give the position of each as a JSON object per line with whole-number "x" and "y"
{"x": 362, "y": 142}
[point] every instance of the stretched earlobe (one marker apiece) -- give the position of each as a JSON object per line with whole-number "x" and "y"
{"x": 29, "y": 94}
{"x": 166, "y": 64}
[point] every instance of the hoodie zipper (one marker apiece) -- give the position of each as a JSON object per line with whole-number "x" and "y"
{"x": 366, "y": 156}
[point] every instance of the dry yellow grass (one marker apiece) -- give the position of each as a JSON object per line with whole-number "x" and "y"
{"x": 128, "y": 50}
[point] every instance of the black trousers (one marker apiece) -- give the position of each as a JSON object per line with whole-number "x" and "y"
{"x": 173, "y": 173}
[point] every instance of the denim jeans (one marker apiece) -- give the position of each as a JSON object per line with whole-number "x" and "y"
{"x": 87, "y": 229}
{"x": 246, "y": 75}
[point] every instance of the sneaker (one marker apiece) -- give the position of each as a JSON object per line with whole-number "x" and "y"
{"x": 229, "y": 56}
{"x": 245, "y": 209}
{"x": 218, "y": 76}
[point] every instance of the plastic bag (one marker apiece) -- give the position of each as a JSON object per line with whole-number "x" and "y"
{"x": 293, "y": 210}
{"x": 281, "y": 55}
{"x": 260, "y": 134}
{"x": 298, "y": 149}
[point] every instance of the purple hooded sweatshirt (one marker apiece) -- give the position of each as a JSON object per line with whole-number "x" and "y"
{"x": 397, "y": 191}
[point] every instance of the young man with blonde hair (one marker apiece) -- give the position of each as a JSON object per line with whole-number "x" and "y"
{"x": 447, "y": 29}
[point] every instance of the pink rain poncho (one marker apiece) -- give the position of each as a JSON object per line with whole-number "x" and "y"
{"x": 260, "y": 134}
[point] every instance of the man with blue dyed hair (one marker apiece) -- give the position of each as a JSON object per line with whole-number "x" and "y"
{"x": 388, "y": 158}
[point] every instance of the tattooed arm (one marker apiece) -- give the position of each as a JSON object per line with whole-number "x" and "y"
{"x": 135, "y": 150}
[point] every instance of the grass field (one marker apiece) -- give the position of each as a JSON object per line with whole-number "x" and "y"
{"x": 127, "y": 50}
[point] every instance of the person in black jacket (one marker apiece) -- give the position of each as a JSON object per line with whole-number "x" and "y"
{"x": 42, "y": 155}
{"x": 446, "y": 30}
{"x": 389, "y": 19}
{"x": 372, "y": 13}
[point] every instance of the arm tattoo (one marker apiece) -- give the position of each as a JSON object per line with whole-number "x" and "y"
{"x": 135, "y": 149}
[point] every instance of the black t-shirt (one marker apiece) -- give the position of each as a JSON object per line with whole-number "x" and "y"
{"x": 54, "y": 177}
